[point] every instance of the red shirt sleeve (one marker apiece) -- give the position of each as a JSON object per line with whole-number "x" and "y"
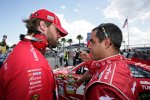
{"x": 103, "y": 92}
{"x": 89, "y": 66}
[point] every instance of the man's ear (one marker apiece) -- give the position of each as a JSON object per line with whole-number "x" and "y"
{"x": 43, "y": 25}
{"x": 107, "y": 42}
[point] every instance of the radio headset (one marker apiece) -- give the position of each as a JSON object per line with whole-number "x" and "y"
{"x": 22, "y": 37}
{"x": 38, "y": 40}
{"x": 31, "y": 38}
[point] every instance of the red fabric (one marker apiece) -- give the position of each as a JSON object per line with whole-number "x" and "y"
{"x": 103, "y": 92}
{"x": 42, "y": 43}
{"x": 90, "y": 67}
{"x": 141, "y": 61}
{"x": 112, "y": 72}
{"x": 26, "y": 75}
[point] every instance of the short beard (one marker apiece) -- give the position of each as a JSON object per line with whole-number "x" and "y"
{"x": 53, "y": 45}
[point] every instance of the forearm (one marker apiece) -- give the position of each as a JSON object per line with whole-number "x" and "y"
{"x": 86, "y": 76}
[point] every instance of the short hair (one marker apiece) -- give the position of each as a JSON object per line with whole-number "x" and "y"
{"x": 109, "y": 30}
{"x": 33, "y": 23}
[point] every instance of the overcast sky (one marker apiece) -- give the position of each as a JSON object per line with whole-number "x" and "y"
{"x": 80, "y": 17}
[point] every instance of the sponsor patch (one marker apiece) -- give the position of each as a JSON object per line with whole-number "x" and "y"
{"x": 70, "y": 89}
{"x": 32, "y": 78}
{"x": 133, "y": 87}
{"x": 108, "y": 73}
{"x": 35, "y": 82}
{"x": 37, "y": 73}
{"x": 105, "y": 98}
{"x": 145, "y": 82}
{"x": 33, "y": 70}
{"x": 34, "y": 53}
{"x": 35, "y": 90}
{"x": 50, "y": 17}
{"x": 146, "y": 87}
{"x": 35, "y": 86}
{"x": 35, "y": 97}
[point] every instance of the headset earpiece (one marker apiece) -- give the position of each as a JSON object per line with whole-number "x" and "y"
{"x": 39, "y": 41}
{"x": 27, "y": 37}
{"x": 42, "y": 43}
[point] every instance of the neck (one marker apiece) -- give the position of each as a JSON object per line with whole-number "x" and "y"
{"x": 109, "y": 53}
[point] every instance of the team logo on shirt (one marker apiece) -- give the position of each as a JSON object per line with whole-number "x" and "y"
{"x": 108, "y": 72}
{"x": 34, "y": 53}
{"x": 34, "y": 74}
{"x": 32, "y": 78}
{"x": 133, "y": 87}
{"x": 35, "y": 97}
{"x": 105, "y": 98}
{"x": 37, "y": 73}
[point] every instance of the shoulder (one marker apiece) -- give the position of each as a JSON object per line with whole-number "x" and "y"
{"x": 103, "y": 91}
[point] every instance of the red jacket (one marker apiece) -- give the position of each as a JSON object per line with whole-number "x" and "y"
{"x": 111, "y": 81}
{"x": 26, "y": 75}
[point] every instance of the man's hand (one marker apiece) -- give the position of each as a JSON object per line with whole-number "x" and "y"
{"x": 85, "y": 56}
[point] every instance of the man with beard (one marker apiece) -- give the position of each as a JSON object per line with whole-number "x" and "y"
{"x": 26, "y": 74}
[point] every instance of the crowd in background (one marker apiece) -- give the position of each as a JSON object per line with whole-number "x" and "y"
{"x": 3, "y": 56}
{"x": 72, "y": 57}
{"x": 66, "y": 57}
{"x": 69, "y": 58}
{"x": 137, "y": 55}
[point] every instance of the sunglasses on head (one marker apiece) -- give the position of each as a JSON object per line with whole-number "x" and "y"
{"x": 103, "y": 30}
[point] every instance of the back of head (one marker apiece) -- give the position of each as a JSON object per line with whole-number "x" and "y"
{"x": 109, "y": 30}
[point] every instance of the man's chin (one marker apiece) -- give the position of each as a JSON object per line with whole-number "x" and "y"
{"x": 52, "y": 46}
{"x": 94, "y": 58}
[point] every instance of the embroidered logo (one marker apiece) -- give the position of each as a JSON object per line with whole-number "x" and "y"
{"x": 50, "y": 17}
{"x": 133, "y": 87}
{"x": 108, "y": 72}
{"x": 105, "y": 98}
{"x": 34, "y": 53}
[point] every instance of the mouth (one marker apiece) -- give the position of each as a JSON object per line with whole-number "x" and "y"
{"x": 91, "y": 51}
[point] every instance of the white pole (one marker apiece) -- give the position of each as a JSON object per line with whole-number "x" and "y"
{"x": 128, "y": 32}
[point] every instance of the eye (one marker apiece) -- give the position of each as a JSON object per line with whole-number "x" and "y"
{"x": 57, "y": 31}
{"x": 92, "y": 41}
